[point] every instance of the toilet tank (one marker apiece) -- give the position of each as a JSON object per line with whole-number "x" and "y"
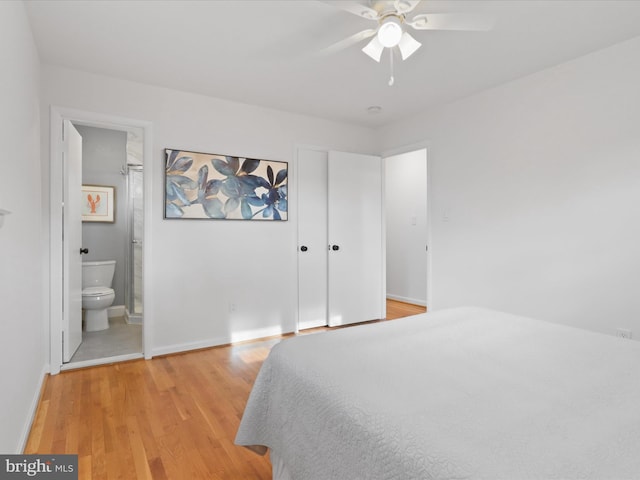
{"x": 98, "y": 274}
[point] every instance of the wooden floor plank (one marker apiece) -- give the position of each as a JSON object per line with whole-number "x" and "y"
{"x": 172, "y": 417}
{"x": 397, "y": 309}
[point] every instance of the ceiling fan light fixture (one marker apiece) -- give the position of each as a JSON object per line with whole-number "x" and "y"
{"x": 374, "y": 49}
{"x": 408, "y": 45}
{"x": 390, "y": 32}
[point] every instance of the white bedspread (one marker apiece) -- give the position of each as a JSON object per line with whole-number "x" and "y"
{"x": 457, "y": 394}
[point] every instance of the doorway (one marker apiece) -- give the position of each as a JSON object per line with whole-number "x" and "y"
{"x": 407, "y": 227}
{"x": 131, "y": 199}
{"x": 109, "y": 158}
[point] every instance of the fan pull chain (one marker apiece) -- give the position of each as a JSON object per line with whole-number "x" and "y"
{"x": 391, "y": 79}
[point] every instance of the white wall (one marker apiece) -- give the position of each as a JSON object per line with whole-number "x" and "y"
{"x": 406, "y": 225}
{"x": 200, "y": 267}
{"x": 540, "y": 182}
{"x": 22, "y": 344}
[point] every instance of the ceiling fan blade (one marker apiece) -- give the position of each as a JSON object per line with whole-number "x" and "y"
{"x": 353, "y": 7}
{"x": 405, "y": 6}
{"x": 374, "y": 49}
{"x": 452, "y": 21}
{"x": 408, "y": 45}
{"x": 347, "y": 42}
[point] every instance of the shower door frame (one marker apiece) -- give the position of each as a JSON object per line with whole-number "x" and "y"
{"x": 130, "y": 297}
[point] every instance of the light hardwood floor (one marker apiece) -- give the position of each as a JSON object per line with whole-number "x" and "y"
{"x": 172, "y": 417}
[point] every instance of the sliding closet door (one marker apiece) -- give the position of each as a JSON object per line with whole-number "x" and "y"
{"x": 312, "y": 238}
{"x": 355, "y": 238}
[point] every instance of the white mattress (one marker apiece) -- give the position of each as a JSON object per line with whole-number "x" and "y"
{"x": 457, "y": 394}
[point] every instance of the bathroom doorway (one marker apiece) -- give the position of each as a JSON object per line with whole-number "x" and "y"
{"x": 115, "y": 154}
{"x": 112, "y": 158}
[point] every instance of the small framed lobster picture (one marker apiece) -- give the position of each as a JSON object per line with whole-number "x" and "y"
{"x": 98, "y": 203}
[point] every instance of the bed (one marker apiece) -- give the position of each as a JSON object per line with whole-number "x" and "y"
{"x": 465, "y": 393}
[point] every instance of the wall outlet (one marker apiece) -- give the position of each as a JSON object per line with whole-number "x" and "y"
{"x": 233, "y": 307}
{"x": 623, "y": 333}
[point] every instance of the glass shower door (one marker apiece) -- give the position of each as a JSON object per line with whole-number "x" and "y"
{"x": 136, "y": 229}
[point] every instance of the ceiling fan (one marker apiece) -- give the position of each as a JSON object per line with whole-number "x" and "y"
{"x": 394, "y": 19}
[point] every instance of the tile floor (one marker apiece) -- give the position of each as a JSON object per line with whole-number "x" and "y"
{"x": 120, "y": 338}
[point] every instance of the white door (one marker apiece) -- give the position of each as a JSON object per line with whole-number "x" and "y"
{"x": 312, "y": 238}
{"x": 72, "y": 242}
{"x": 355, "y": 238}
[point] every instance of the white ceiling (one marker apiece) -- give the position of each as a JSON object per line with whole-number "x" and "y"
{"x": 266, "y": 52}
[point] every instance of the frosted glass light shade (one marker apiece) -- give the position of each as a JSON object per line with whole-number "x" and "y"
{"x": 390, "y": 32}
{"x": 374, "y": 49}
{"x": 408, "y": 45}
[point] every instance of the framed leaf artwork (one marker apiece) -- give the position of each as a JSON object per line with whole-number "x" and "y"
{"x": 210, "y": 186}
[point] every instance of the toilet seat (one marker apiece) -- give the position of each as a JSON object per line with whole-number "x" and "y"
{"x": 96, "y": 291}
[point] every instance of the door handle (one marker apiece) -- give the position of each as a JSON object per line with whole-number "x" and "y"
{"x": 84, "y": 250}
{"x": 335, "y": 248}
{"x": 303, "y": 248}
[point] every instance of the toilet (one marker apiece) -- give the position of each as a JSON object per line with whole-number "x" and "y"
{"x": 97, "y": 294}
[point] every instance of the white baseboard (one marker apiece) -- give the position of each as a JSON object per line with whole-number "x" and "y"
{"x": 216, "y": 342}
{"x": 414, "y": 301}
{"x": 116, "y": 311}
{"x": 33, "y": 408}
{"x": 132, "y": 319}
{"x": 185, "y": 347}
{"x": 256, "y": 334}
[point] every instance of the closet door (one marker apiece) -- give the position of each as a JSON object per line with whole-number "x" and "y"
{"x": 355, "y": 238}
{"x": 312, "y": 238}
